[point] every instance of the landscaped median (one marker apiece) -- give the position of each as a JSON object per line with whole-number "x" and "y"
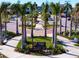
{"x": 40, "y": 46}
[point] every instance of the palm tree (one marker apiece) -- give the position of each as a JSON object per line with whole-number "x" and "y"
{"x": 60, "y": 24}
{"x": 71, "y": 18}
{"x": 6, "y": 15}
{"x": 15, "y": 9}
{"x": 61, "y": 11}
{"x": 45, "y": 16}
{"x": 55, "y": 11}
{"x": 70, "y": 33}
{"x": 34, "y": 18}
{"x": 22, "y": 12}
{"x": 34, "y": 11}
{"x": 67, "y": 9}
{"x": 3, "y": 6}
{"x": 43, "y": 6}
{"x": 32, "y": 7}
{"x": 76, "y": 16}
{"x": 75, "y": 20}
{"x": 1, "y": 25}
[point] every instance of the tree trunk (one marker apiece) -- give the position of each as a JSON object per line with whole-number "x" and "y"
{"x": 70, "y": 27}
{"x": 0, "y": 30}
{"x": 75, "y": 27}
{"x": 55, "y": 32}
{"x": 23, "y": 34}
{"x": 5, "y": 26}
{"x": 45, "y": 34}
{"x": 75, "y": 24}
{"x": 5, "y": 29}
{"x": 17, "y": 31}
{"x": 66, "y": 25}
{"x": 60, "y": 25}
{"x": 32, "y": 31}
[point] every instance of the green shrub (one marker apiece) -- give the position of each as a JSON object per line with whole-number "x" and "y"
{"x": 26, "y": 51}
{"x": 77, "y": 44}
{"x": 51, "y": 46}
{"x": 58, "y": 50}
{"x": 72, "y": 36}
{"x": 9, "y": 35}
{"x": 66, "y": 34}
{"x": 19, "y": 44}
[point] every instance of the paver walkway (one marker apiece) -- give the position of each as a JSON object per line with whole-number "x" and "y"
{"x": 8, "y": 49}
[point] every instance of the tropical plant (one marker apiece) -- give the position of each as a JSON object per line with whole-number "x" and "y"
{"x": 60, "y": 13}
{"x": 34, "y": 17}
{"x": 55, "y": 11}
{"x": 67, "y": 9}
{"x": 71, "y": 19}
{"x": 22, "y": 12}
{"x": 76, "y": 16}
{"x": 45, "y": 16}
{"x": 3, "y": 6}
{"x": 15, "y": 10}
{"x": 5, "y": 16}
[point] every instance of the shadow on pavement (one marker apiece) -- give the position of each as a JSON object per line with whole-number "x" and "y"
{"x": 10, "y": 46}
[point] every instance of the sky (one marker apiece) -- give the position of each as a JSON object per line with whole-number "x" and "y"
{"x": 39, "y": 2}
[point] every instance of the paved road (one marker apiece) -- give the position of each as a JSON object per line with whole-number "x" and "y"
{"x": 12, "y": 27}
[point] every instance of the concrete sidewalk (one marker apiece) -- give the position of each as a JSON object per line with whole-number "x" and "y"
{"x": 8, "y": 49}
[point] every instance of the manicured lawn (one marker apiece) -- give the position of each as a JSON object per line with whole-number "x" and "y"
{"x": 48, "y": 41}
